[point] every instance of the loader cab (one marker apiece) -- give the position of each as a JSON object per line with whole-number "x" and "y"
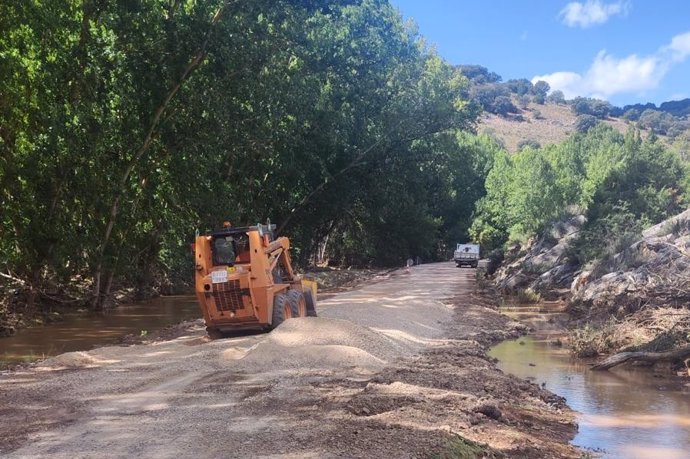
{"x": 230, "y": 247}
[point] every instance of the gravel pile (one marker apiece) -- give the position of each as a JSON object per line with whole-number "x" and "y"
{"x": 255, "y": 393}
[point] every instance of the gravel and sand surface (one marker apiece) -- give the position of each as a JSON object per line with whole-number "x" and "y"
{"x": 393, "y": 369}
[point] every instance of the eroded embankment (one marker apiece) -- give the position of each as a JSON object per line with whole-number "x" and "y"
{"x": 631, "y": 298}
{"x": 389, "y": 370}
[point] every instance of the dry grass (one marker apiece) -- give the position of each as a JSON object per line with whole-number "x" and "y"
{"x": 547, "y": 124}
{"x": 528, "y": 296}
{"x": 652, "y": 329}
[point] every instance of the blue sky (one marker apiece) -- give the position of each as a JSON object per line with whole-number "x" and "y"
{"x": 625, "y": 51}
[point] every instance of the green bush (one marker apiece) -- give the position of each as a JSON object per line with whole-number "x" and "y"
{"x": 586, "y": 106}
{"x": 620, "y": 183}
{"x": 584, "y": 123}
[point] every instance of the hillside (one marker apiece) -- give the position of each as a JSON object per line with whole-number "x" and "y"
{"x": 546, "y": 124}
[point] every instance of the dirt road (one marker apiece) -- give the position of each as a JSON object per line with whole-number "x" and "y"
{"x": 393, "y": 369}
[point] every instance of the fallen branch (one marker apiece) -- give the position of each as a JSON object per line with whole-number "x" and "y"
{"x": 650, "y": 357}
{"x": 13, "y": 279}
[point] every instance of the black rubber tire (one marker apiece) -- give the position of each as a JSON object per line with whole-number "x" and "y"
{"x": 294, "y": 297}
{"x": 214, "y": 333}
{"x": 311, "y": 304}
{"x": 280, "y": 315}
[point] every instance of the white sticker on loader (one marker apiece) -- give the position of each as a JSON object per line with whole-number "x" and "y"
{"x": 219, "y": 277}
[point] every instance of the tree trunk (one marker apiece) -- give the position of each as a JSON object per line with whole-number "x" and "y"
{"x": 650, "y": 357}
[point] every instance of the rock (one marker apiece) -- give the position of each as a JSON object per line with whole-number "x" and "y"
{"x": 559, "y": 276}
{"x": 660, "y": 228}
{"x": 651, "y": 271}
{"x": 517, "y": 281}
{"x": 542, "y": 263}
{"x": 489, "y": 410}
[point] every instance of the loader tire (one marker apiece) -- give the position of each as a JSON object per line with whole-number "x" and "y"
{"x": 214, "y": 333}
{"x": 311, "y": 304}
{"x": 282, "y": 310}
{"x": 297, "y": 303}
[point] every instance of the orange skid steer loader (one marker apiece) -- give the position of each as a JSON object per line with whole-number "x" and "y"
{"x": 244, "y": 280}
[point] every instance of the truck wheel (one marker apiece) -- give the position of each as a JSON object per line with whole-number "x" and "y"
{"x": 297, "y": 303}
{"x": 281, "y": 310}
{"x": 311, "y": 304}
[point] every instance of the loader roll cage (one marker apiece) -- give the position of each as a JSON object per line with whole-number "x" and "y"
{"x": 231, "y": 245}
{"x": 262, "y": 229}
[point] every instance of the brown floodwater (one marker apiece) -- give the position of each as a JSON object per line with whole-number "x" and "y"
{"x": 623, "y": 413}
{"x": 85, "y": 331}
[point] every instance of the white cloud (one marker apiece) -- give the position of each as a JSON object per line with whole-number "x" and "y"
{"x": 609, "y": 75}
{"x": 679, "y": 47}
{"x": 593, "y": 12}
{"x": 568, "y": 82}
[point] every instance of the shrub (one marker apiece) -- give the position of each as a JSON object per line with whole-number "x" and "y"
{"x": 541, "y": 88}
{"x": 632, "y": 115}
{"x": 590, "y": 341}
{"x": 460, "y": 448}
{"x": 556, "y": 97}
{"x": 502, "y": 105}
{"x": 595, "y": 107}
{"x": 520, "y": 87}
{"x": 528, "y": 143}
{"x": 585, "y": 122}
{"x": 677, "y": 128}
{"x": 658, "y": 122}
{"x": 495, "y": 258}
{"x": 606, "y": 236}
{"x": 523, "y": 101}
{"x": 527, "y": 296}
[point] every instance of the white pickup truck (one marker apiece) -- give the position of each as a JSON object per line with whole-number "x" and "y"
{"x": 467, "y": 254}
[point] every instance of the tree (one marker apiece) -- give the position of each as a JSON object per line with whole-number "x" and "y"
{"x": 658, "y": 122}
{"x": 614, "y": 179}
{"x": 594, "y": 107}
{"x": 195, "y": 113}
{"x": 478, "y": 74}
{"x": 632, "y": 114}
{"x": 502, "y": 105}
{"x": 541, "y": 89}
{"x": 520, "y": 87}
{"x": 556, "y": 97}
{"x": 584, "y": 123}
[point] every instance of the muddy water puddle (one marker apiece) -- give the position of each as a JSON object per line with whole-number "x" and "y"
{"x": 624, "y": 413}
{"x": 86, "y": 331}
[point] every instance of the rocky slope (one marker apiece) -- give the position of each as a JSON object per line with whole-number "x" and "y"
{"x": 543, "y": 266}
{"x": 652, "y": 272}
{"x": 638, "y": 300}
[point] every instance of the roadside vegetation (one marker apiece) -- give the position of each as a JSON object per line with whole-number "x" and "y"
{"x": 621, "y": 183}
{"x": 577, "y": 220}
